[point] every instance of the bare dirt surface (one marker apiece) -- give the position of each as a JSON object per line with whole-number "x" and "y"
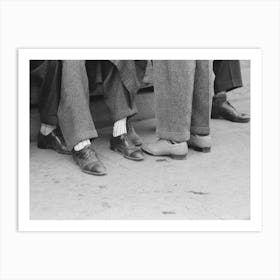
{"x": 213, "y": 185}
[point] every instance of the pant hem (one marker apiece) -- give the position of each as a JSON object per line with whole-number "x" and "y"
{"x": 81, "y": 137}
{"x": 202, "y": 130}
{"x": 174, "y": 136}
{"x": 51, "y": 120}
{"x": 227, "y": 85}
{"x": 124, "y": 114}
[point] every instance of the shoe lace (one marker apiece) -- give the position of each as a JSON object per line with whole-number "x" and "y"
{"x": 89, "y": 153}
{"x": 131, "y": 147}
{"x": 229, "y": 104}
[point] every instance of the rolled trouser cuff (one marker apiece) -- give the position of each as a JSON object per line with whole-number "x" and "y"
{"x": 51, "y": 120}
{"x": 202, "y": 131}
{"x": 127, "y": 113}
{"x": 173, "y": 136}
{"x": 79, "y": 138}
{"x": 221, "y": 97}
{"x": 227, "y": 85}
{"x": 228, "y": 75}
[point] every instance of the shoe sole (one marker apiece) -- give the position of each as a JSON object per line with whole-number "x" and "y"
{"x": 222, "y": 118}
{"x": 125, "y": 156}
{"x": 200, "y": 149}
{"x": 176, "y": 157}
{"x": 90, "y": 172}
{"x": 93, "y": 173}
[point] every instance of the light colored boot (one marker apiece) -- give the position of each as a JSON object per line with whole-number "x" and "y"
{"x": 164, "y": 147}
{"x": 200, "y": 143}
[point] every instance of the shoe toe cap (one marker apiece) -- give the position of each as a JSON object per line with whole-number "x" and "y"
{"x": 138, "y": 155}
{"x": 99, "y": 169}
{"x": 95, "y": 168}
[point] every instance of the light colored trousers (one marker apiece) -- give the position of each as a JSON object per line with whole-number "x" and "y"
{"x": 74, "y": 113}
{"x": 182, "y": 98}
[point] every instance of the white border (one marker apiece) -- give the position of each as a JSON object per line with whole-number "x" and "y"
{"x": 24, "y": 222}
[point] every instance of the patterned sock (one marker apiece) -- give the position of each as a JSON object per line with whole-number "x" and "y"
{"x": 119, "y": 128}
{"x": 46, "y": 129}
{"x": 81, "y": 145}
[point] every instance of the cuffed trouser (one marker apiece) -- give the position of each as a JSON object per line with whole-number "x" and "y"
{"x": 182, "y": 93}
{"x": 117, "y": 97}
{"x": 48, "y": 74}
{"x": 74, "y": 111}
{"x": 203, "y": 83}
{"x": 227, "y": 75}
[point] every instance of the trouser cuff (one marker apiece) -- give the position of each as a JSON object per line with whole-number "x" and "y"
{"x": 222, "y": 97}
{"x": 202, "y": 130}
{"x": 51, "y": 120}
{"x": 80, "y": 137}
{"x": 124, "y": 114}
{"x": 227, "y": 85}
{"x": 173, "y": 136}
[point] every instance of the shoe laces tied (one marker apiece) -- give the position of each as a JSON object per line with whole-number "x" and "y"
{"x": 89, "y": 153}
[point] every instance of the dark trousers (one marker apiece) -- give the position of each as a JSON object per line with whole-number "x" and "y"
{"x": 47, "y": 75}
{"x": 227, "y": 75}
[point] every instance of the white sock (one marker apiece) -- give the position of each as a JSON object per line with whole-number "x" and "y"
{"x": 81, "y": 145}
{"x": 46, "y": 129}
{"x": 119, "y": 128}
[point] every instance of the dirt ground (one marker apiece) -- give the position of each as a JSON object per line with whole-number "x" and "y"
{"x": 215, "y": 185}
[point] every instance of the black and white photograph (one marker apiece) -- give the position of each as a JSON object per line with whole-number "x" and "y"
{"x": 140, "y": 139}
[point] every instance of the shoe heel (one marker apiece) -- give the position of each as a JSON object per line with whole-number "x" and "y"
{"x": 178, "y": 157}
{"x": 41, "y": 146}
{"x": 202, "y": 150}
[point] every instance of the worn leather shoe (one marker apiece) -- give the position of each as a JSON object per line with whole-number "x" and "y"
{"x": 132, "y": 135}
{"x": 224, "y": 110}
{"x": 121, "y": 144}
{"x": 200, "y": 143}
{"x": 164, "y": 147}
{"x": 53, "y": 141}
{"x": 88, "y": 161}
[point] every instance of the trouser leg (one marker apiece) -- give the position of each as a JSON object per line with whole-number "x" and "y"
{"x": 173, "y": 84}
{"x": 118, "y": 99}
{"x": 227, "y": 75}
{"x": 74, "y": 112}
{"x": 201, "y": 98}
{"x": 49, "y": 74}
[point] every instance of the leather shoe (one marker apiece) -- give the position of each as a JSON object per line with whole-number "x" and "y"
{"x": 164, "y": 147}
{"x": 121, "y": 144}
{"x": 132, "y": 135}
{"x": 88, "y": 161}
{"x": 53, "y": 141}
{"x": 200, "y": 143}
{"x": 224, "y": 110}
